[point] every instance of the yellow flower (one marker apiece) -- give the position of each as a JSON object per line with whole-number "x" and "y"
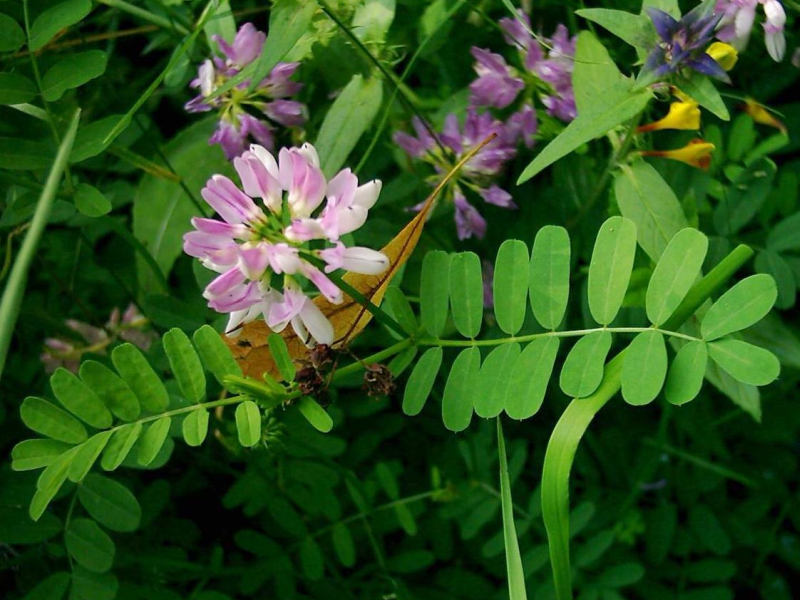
{"x": 724, "y": 54}
{"x": 696, "y": 153}
{"x": 761, "y": 115}
{"x": 681, "y": 115}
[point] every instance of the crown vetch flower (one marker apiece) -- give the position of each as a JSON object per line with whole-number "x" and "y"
{"x": 738, "y": 17}
{"x": 237, "y": 107}
{"x": 696, "y": 153}
{"x": 683, "y": 44}
{"x": 260, "y": 248}
{"x": 495, "y": 85}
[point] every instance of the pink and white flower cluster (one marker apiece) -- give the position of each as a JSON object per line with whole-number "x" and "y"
{"x": 737, "y": 21}
{"x": 261, "y": 248}
{"x": 238, "y": 107}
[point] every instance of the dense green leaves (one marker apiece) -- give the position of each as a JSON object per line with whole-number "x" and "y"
{"x": 583, "y": 367}
{"x": 510, "y": 285}
{"x": 79, "y": 399}
{"x": 675, "y": 273}
{"x": 610, "y": 268}
{"x": 434, "y": 291}
{"x": 549, "y": 275}
{"x": 140, "y": 377}
{"x": 185, "y": 365}
{"x": 466, "y": 293}
{"x": 89, "y": 545}
{"x": 740, "y": 307}
{"x": 644, "y": 368}
{"x": 57, "y": 17}
{"x": 457, "y": 399}
{"x": 114, "y": 392}
{"x": 421, "y": 380}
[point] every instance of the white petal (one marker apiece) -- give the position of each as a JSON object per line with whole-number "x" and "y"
{"x": 365, "y": 261}
{"x": 317, "y": 323}
{"x": 367, "y": 194}
{"x": 310, "y": 154}
{"x": 776, "y": 45}
{"x": 266, "y": 158}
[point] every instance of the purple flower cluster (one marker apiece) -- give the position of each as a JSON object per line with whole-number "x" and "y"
{"x": 737, "y": 23}
{"x": 548, "y": 60}
{"x": 256, "y": 243}
{"x": 238, "y": 107}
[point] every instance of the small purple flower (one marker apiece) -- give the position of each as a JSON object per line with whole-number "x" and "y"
{"x": 682, "y": 45}
{"x": 238, "y": 125}
{"x": 256, "y": 241}
{"x": 495, "y": 85}
{"x": 469, "y": 221}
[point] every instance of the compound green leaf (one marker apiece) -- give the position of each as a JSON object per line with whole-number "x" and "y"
{"x": 583, "y": 367}
{"x": 120, "y": 445}
{"x": 460, "y": 388}
{"x": 49, "y": 482}
{"x": 421, "y": 380}
{"x": 466, "y": 293}
{"x": 140, "y": 377}
{"x": 185, "y": 365}
{"x": 54, "y": 19}
{"x": 215, "y": 353}
{"x": 152, "y": 440}
{"x": 248, "y": 423}
{"x": 343, "y": 544}
{"x": 745, "y": 362}
{"x": 114, "y": 392}
{"x": 644, "y": 368}
{"x": 686, "y": 373}
{"x": 434, "y": 291}
{"x": 549, "y": 275}
{"x": 93, "y": 586}
{"x": 493, "y": 380}
{"x": 195, "y": 427}
{"x": 15, "y": 88}
{"x": 646, "y": 199}
{"x": 89, "y": 545}
{"x": 47, "y": 419}
{"x": 676, "y": 271}
{"x": 740, "y": 307}
{"x": 32, "y": 454}
{"x": 529, "y": 376}
{"x": 510, "y": 285}
{"x": 110, "y": 503}
{"x": 610, "y": 268}
{"x": 79, "y": 399}
{"x": 317, "y": 416}
{"x": 72, "y": 71}
{"x": 86, "y": 454}
{"x": 12, "y": 36}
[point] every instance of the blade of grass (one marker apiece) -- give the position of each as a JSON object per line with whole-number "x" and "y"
{"x": 516, "y": 576}
{"x": 15, "y": 287}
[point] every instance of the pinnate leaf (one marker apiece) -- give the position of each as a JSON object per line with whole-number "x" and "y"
{"x": 120, "y": 445}
{"x": 745, "y": 362}
{"x": 89, "y": 545}
{"x": 215, "y": 354}
{"x": 583, "y": 367}
{"x": 644, "y": 368}
{"x": 317, "y": 416}
{"x": 110, "y": 503}
{"x": 79, "y": 399}
{"x": 421, "y": 380}
{"x": 686, "y": 373}
{"x": 510, "y": 285}
{"x": 50, "y": 421}
{"x": 741, "y": 306}
{"x": 459, "y": 389}
{"x": 549, "y": 275}
{"x": 466, "y": 293}
{"x": 140, "y": 377}
{"x": 116, "y": 394}
{"x": 434, "y": 291}
{"x": 32, "y": 454}
{"x": 610, "y": 268}
{"x": 529, "y": 376}
{"x": 86, "y": 454}
{"x": 493, "y": 380}
{"x": 195, "y": 427}
{"x": 248, "y": 423}
{"x": 185, "y": 365}
{"x": 152, "y": 440}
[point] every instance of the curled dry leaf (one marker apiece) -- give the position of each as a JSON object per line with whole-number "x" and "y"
{"x": 250, "y": 347}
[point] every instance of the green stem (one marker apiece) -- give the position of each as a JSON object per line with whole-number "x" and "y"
{"x": 15, "y": 287}
{"x": 701, "y": 462}
{"x": 373, "y": 358}
{"x": 145, "y": 15}
{"x": 575, "y": 420}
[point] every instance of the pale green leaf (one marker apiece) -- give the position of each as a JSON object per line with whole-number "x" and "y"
{"x": 740, "y": 307}
{"x": 459, "y": 390}
{"x": 421, "y": 380}
{"x": 646, "y": 199}
{"x": 702, "y": 89}
{"x": 630, "y": 28}
{"x": 549, "y": 275}
{"x": 676, "y": 271}
{"x": 110, "y": 503}
{"x": 686, "y": 373}
{"x": 644, "y": 368}
{"x": 529, "y": 376}
{"x": 434, "y": 291}
{"x": 583, "y": 367}
{"x": 86, "y": 454}
{"x": 466, "y": 293}
{"x": 597, "y": 81}
{"x": 195, "y": 427}
{"x": 745, "y": 362}
{"x": 49, "y": 482}
{"x": 113, "y": 391}
{"x": 50, "y": 421}
{"x": 493, "y": 380}
{"x": 79, "y": 399}
{"x": 317, "y": 416}
{"x": 610, "y": 268}
{"x": 280, "y": 354}
{"x": 215, "y": 354}
{"x": 120, "y": 445}
{"x": 510, "y": 285}
{"x": 89, "y": 545}
{"x": 140, "y": 377}
{"x": 185, "y": 365}
{"x": 372, "y": 19}
{"x": 248, "y": 423}
{"x": 32, "y": 454}
{"x": 151, "y": 441}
